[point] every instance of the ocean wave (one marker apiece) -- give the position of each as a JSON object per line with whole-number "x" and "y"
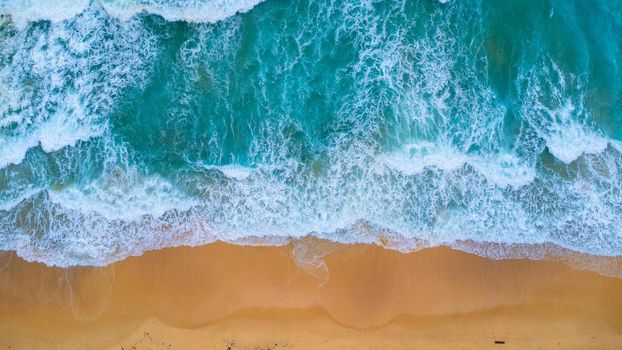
{"x": 503, "y": 169}
{"x": 233, "y": 171}
{"x": 58, "y": 87}
{"x": 403, "y": 124}
{"x": 52, "y": 134}
{"x": 177, "y": 228}
{"x": 24, "y": 12}
{"x": 555, "y": 107}
{"x": 479, "y": 203}
{"x": 568, "y": 140}
{"x": 124, "y": 197}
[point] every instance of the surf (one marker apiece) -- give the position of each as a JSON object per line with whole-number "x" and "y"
{"x": 210, "y": 11}
{"x": 129, "y": 126}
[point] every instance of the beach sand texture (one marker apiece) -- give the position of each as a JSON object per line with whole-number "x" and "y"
{"x": 222, "y": 296}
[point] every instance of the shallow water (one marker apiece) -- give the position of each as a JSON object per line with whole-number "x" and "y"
{"x": 128, "y": 125}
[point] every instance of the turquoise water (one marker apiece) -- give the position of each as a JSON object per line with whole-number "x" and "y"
{"x": 128, "y": 125}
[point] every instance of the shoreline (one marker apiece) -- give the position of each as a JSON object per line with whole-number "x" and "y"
{"x": 606, "y": 265}
{"x": 353, "y": 296}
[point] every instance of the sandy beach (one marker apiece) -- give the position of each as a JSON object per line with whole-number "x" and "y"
{"x": 222, "y": 296}
{"x": 266, "y": 175}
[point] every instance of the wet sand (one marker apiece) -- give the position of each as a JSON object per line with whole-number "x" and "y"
{"x": 222, "y": 296}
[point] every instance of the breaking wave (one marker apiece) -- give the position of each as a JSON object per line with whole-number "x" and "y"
{"x": 24, "y": 12}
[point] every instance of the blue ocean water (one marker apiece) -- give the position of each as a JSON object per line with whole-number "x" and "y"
{"x": 128, "y": 125}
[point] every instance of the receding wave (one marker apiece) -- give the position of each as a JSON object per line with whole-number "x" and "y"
{"x": 403, "y": 124}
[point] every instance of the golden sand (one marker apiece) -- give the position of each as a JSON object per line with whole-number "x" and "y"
{"x": 223, "y": 296}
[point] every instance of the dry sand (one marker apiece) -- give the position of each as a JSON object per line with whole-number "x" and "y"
{"x": 222, "y": 296}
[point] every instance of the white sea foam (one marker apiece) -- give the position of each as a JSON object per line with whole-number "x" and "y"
{"x": 571, "y": 142}
{"x": 233, "y": 171}
{"x": 126, "y": 197}
{"x": 51, "y": 95}
{"x": 8, "y": 204}
{"x": 189, "y": 10}
{"x": 502, "y": 169}
{"x": 554, "y": 106}
{"x": 60, "y": 130}
{"x": 151, "y": 213}
{"x": 23, "y": 12}
{"x": 567, "y": 139}
{"x": 617, "y": 145}
{"x": 415, "y": 157}
{"x": 26, "y": 11}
